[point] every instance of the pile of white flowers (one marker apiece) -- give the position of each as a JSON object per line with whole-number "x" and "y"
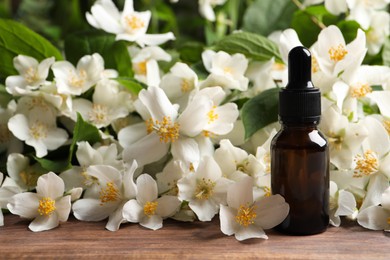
{"x": 176, "y": 149}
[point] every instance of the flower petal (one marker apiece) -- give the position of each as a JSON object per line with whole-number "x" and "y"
{"x": 346, "y": 203}
{"x": 116, "y": 219}
{"x": 153, "y": 222}
{"x": 132, "y": 211}
{"x": 50, "y": 185}
{"x": 374, "y": 217}
{"x": 240, "y": 193}
{"x": 205, "y": 210}
{"x": 42, "y": 223}
{"x": 24, "y": 204}
{"x": 92, "y": 209}
{"x": 271, "y": 211}
{"x": 167, "y": 206}
{"x": 227, "y": 218}
{"x": 250, "y": 231}
{"x": 63, "y": 207}
{"x": 147, "y": 189}
{"x": 129, "y": 187}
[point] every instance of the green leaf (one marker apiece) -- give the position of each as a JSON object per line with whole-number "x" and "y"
{"x": 16, "y": 39}
{"x": 349, "y": 29}
{"x": 265, "y": 16}
{"x": 131, "y": 84}
{"x": 114, "y": 53}
{"x": 306, "y": 28}
{"x": 260, "y": 111}
{"x": 54, "y": 166}
{"x": 191, "y": 51}
{"x": 386, "y": 52}
{"x": 83, "y": 131}
{"x": 251, "y": 45}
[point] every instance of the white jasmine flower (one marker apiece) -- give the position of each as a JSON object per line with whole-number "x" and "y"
{"x": 8, "y": 142}
{"x": 206, "y": 8}
{"x": 145, "y": 64}
{"x": 378, "y": 32}
{"x": 8, "y": 189}
{"x": 363, "y": 11}
{"x": 87, "y": 156}
{"x": 247, "y": 218}
{"x": 341, "y": 203}
{"x": 147, "y": 209}
{"x": 334, "y": 56}
{"x": 235, "y": 162}
{"x": 344, "y": 138}
{"x": 205, "y": 189}
{"x": 128, "y": 25}
{"x": 22, "y": 173}
{"x": 179, "y": 83}
{"x": 38, "y": 130}
{"x": 168, "y": 178}
{"x": 359, "y": 86}
{"x": 107, "y": 106}
{"x": 47, "y": 207}
{"x": 220, "y": 119}
{"x": 164, "y": 127}
{"x": 377, "y": 217}
{"x": 226, "y": 70}
{"x": 32, "y": 75}
{"x": 260, "y": 73}
{"x": 75, "y": 81}
{"x": 115, "y": 190}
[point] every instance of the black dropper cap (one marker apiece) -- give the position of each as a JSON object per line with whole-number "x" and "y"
{"x": 299, "y": 101}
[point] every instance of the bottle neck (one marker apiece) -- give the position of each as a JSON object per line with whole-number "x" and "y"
{"x": 300, "y": 125}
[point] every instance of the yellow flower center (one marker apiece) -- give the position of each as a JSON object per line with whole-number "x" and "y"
{"x": 246, "y": 215}
{"x": 99, "y": 113}
{"x": 206, "y": 133}
{"x": 109, "y": 194}
{"x": 267, "y": 191}
{"x": 166, "y": 129}
{"x": 388, "y": 220}
{"x": 36, "y": 102}
{"x": 204, "y": 189}
{"x": 228, "y": 70}
{"x": 212, "y": 115}
{"x": 173, "y": 188}
{"x": 366, "y": 164}
{"x": 134, "y": 22}
{"x": 314, "y": 65}
{"x": 360, "y": 90}
{"x": 140, "y": 68}
{"x": 192, "y": 168}
{"x": 31, "y": 75}
{"x": 46, "y": 206}
{"x": 5, "y": 133}
{"x": 88, "y": 179}
{"x": 38, "y": 130}
{"x": 337, "y": 53}
{"x": 150, "y": 208}
{"x": 77, "y": 80}
{"x": 185, "y": 86}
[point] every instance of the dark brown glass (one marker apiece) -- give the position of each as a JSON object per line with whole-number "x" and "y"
{"x": 300, "y": 173}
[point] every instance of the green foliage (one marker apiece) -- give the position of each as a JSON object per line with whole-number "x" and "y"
{"x": 191, "y": 51}
{"x": 253, "y": 46}
{"x": 114, "y": 53}
{"x": 265, "y": 16}
{"x": 260, "y": 111}
{"x": 349, "y": 29}
{"x": 131, "y": 84}
{"x": 307, "y": 28}
{"x": 16, "y": 39}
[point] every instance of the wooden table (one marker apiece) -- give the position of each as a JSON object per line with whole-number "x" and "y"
{"x": 200, "y": 240}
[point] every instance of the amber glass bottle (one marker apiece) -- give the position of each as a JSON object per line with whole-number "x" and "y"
{"x": 299, "y": 152}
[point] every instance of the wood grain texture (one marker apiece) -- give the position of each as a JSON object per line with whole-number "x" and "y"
{"x": 200, "y": 240}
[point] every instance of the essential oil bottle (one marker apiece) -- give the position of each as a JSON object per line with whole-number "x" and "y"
{"x": 299, "y": 152}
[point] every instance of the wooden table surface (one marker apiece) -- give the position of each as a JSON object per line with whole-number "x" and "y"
{"x": 200, "y": 240}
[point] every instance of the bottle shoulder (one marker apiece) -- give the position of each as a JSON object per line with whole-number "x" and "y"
{"x": 299, "y": 138}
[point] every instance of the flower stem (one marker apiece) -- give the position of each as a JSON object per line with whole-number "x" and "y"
{"x": 313, "y": 18}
